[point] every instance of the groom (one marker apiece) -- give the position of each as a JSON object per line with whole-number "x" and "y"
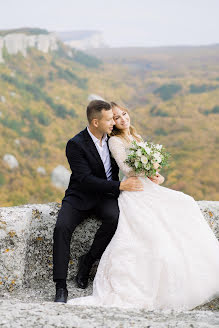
{"x": 93, "y": 189}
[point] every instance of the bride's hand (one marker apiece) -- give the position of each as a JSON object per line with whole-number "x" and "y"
{"x": 157, "y": 166}
{"x": 158, "y": 179}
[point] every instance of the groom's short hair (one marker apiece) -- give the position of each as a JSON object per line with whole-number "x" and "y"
{"x": 95, "y": 107}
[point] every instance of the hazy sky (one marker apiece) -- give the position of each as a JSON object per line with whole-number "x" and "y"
{"x": 123, "y": 22}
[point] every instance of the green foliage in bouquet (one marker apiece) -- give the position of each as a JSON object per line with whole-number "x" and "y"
{"x": 147, "y": 157}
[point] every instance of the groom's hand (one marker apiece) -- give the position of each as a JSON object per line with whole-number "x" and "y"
{"x": 131, "y": 184}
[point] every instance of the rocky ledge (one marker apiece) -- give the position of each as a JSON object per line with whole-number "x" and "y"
{"x": 27, "y": 290}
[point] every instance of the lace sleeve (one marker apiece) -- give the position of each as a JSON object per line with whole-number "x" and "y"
{"x": 118, "y": 151}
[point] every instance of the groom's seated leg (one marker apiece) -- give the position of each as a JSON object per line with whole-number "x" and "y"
{"x": 84, "y": 268}
{"x": 108, "y": 212}
{"x": 68, "y": 220}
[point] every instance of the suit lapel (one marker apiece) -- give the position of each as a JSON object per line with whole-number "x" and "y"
{"x": 92, "y": 148}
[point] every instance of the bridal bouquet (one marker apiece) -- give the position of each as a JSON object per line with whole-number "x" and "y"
{"x": 147, "y": 157}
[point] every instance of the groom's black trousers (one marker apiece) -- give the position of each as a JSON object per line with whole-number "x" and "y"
{"x": 69, "y": 218}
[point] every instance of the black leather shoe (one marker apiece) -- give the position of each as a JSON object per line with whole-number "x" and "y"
{"x": 61, "y": 295}
{"x": 83, "y": 272}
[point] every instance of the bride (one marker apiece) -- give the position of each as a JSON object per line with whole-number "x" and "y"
{"x": 163, "y": 254}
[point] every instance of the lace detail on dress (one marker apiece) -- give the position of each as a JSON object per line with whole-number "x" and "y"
{"x": 119, "y": 150}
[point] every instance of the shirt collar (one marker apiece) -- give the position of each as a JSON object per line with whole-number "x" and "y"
{"x": 95, "y": 139}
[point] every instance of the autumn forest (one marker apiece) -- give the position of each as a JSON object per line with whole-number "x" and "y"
{"x": 172, "y": 95}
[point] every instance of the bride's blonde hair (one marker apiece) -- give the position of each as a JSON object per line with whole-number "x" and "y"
{"x": 119, "y": 133}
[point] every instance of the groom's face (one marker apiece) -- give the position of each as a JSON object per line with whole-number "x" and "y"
{"x": 105, "y": 122}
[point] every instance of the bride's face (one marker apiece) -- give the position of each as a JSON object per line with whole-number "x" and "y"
{"x": 121, "y": 119}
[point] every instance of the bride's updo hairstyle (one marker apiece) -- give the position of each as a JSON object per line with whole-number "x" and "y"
{"x": 119, "y": 133}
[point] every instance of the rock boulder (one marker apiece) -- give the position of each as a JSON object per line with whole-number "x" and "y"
{"x": 60, "y": 177}
{"x": 26, "y": 238}
{"x": 11, "y": 161}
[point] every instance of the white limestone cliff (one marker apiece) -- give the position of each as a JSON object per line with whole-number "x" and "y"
{"x": 20, "y": 42}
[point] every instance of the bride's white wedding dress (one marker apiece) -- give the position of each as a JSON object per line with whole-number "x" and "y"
{"x": 163, "y": 255}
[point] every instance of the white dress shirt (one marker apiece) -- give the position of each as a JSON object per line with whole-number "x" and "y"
{"x": 104, "y": 153}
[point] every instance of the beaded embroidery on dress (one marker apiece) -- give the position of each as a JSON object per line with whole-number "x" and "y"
{"x": 163, "y": 255}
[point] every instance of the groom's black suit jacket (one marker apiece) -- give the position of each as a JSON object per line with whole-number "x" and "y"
{"x": 88, "y": 181}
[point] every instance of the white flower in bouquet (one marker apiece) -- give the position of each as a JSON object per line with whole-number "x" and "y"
{"x": 148, "y": 166}
{"x": 136, "y": 164}
{"x": 144, "y": 159}
{"x": 141, "y": 144}
{"x": 159, "y": 147}
{"x": 157, "y": 157}
{"x": 139, "y": 153}
{"x": 148, "y": 150}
